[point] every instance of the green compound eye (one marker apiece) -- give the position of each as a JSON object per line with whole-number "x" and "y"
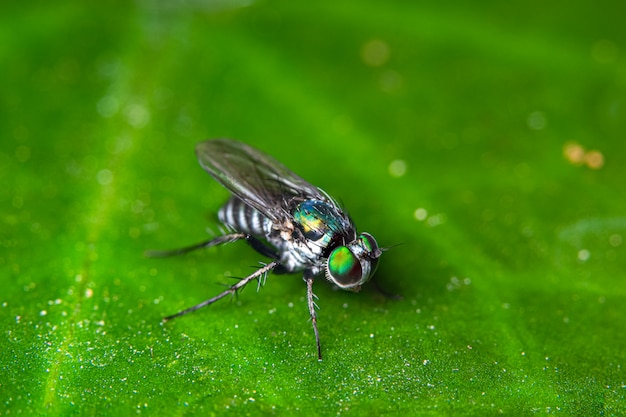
{"x": 371, "y": 246}
{"x": 369, "y": 242}
{"x": 344, "y": 268}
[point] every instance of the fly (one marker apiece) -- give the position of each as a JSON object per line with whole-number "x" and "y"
{"x": 283, "y": 217}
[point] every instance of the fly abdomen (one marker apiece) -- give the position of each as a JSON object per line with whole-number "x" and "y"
{"x": 243, "y": 218}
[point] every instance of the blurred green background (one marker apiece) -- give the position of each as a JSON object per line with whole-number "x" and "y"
{"x": 486, "y": 141}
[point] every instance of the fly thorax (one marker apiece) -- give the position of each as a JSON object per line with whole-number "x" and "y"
{"x": 315, "y": 228}
{"x": 321, "y": 225}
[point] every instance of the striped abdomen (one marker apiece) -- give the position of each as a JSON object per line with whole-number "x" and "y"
{"x": 244, "y": 218}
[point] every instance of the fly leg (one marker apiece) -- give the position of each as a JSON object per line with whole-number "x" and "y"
{"x": 240, "y": 284}
{"x": 308, "y": 278}
{"x": 206, "y": 244}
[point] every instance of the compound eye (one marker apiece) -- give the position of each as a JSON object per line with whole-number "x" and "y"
{"x": 369, "y": 243}
{"x": 344, "y": 268}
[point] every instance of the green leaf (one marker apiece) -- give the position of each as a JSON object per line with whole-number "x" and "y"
{"x": 484, "y": 146}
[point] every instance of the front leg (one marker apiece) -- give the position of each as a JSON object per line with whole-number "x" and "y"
{"x": 308, "y": 278}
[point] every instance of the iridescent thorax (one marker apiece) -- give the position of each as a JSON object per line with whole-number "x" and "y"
{"x": 321, "y": 222}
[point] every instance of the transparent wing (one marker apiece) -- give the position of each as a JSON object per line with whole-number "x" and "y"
{"x": 254, "y": 177}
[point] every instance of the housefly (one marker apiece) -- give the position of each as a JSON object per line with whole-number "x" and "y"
{"x": 298, "y": 226}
